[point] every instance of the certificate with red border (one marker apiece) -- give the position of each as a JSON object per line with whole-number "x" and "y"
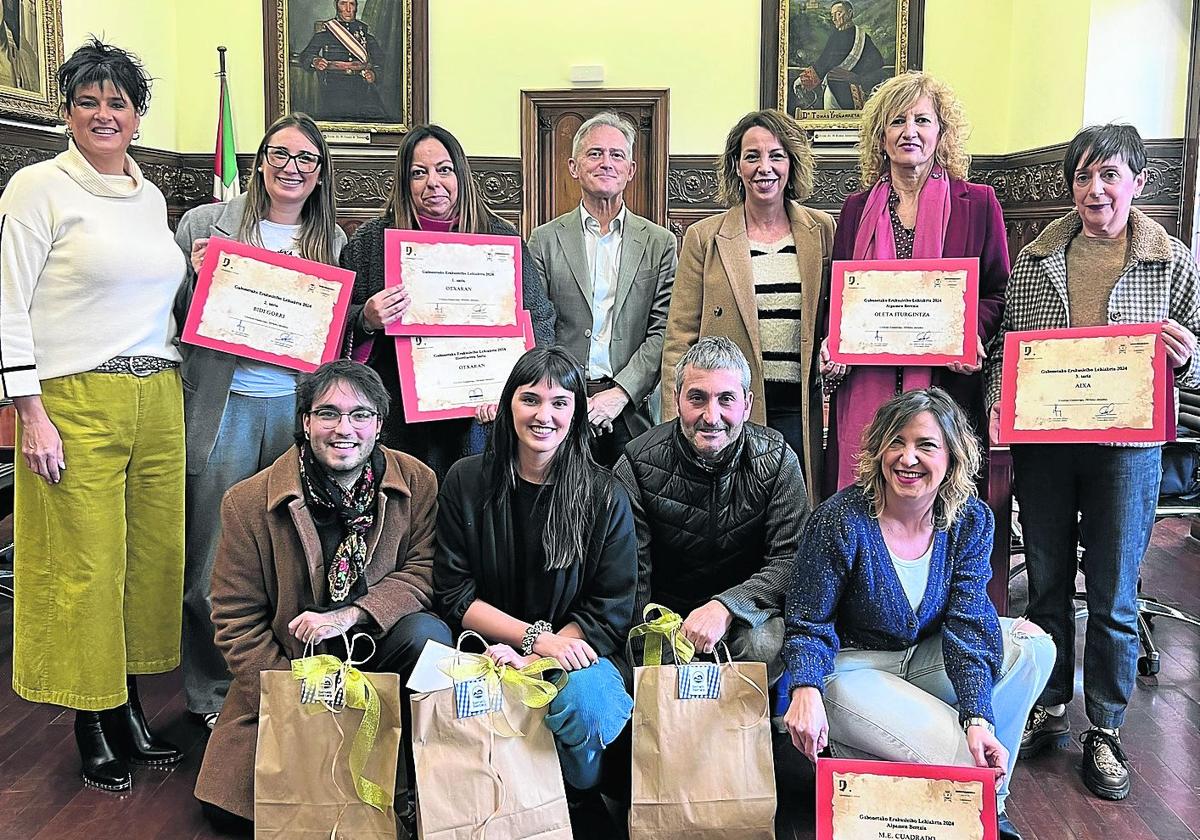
{"x": 904, "y": 312}
{"x": 258, "y": 304}
{"x": 459, "y": 283}
{"x": 442, "y": 377}
{"x": 1107, "y": 384}
{"x": 871, "y": 800}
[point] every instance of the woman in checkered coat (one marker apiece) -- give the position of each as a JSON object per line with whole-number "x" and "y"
{"x": 1105, "y": 262}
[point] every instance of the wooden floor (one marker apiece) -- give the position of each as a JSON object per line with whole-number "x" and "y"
{"x": 41, "y": 797}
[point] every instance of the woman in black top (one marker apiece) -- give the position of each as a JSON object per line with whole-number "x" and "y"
{"x": 433, "y": 191}
{"x": 536, "y": 552}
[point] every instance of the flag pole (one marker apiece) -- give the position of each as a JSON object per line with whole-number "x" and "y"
{"x": 225, "y": 174}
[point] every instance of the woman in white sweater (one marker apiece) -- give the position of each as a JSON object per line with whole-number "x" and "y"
{"x": 88, "y": 273}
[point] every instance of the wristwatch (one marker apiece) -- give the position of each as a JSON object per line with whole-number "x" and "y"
{"x": 978, "y": 721}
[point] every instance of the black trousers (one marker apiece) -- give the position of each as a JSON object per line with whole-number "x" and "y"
{"x": 609, "y": 446}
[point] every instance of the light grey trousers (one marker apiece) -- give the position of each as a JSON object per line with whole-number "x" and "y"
{"x": 254, "y": 432}
{"x": 758, "y": 644}
{"x": 900, "y": 706}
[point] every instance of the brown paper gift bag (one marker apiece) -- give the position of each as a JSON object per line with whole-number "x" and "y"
{"x": 703, "y": 768}
{"x": 476, "y": 783}
{"x": 305, "y": 784}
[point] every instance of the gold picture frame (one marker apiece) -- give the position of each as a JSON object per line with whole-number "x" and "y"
{"x": 349, "y": 89}
{"x": 807, "y": 46}
{"x": 31, "y": 50}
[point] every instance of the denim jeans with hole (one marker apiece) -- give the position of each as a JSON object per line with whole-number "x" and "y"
{"x": 1103, "y": 498}
{"x": 900, "y": 706}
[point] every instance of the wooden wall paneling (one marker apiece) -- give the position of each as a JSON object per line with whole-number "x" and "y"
{"x": 1028, "y": 184}
{"x": 691, "y": 192}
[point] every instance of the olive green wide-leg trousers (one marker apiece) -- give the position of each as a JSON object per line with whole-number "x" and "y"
{"x": 98, "y": 564}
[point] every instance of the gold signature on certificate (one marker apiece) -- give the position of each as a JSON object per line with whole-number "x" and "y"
{"x": 269, "y": 308}
{"x": 457, "y": 283}
{"x": 459, "y": 372}
{"x": 903, "y": 312}
{"x": 1099, "y": 382}
{"x": 871, "y": 807}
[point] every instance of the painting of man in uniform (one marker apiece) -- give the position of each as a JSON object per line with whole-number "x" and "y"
{"x": 837, "y": 53}
{"x": 347, "y": 59}
{"x": 20, "y": 37}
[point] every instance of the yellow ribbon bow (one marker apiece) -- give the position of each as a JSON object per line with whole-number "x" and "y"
{"x": 666, "y": 626}
{"x": 360, "y": 694}
{"x": 526, "y": 684}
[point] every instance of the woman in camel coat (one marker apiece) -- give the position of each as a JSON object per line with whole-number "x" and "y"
{"x": 758, "y": 274}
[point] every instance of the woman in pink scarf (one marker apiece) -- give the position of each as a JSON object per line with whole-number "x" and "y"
{"x": 917, "y": 204}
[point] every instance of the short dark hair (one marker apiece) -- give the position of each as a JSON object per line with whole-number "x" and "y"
{"x": 358, "y": 376}
{"x": 1101, "y": 142}
{"x": 96, "y": 63}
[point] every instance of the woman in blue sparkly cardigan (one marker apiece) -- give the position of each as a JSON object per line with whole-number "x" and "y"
{"x": 893, "y": 649}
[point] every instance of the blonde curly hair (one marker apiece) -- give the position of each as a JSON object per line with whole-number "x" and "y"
{"x": 894, "y": 97}
{"x": 965, "y": 456}
{"x": 800, "y": 157}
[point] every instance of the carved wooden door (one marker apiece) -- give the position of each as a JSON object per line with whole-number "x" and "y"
{"x": 549, "y": 120}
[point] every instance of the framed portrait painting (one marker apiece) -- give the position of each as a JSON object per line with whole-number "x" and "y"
{"x": 823, "y": 58}
{"x": 30, "y": 52}
{"x": 358, "y": 67}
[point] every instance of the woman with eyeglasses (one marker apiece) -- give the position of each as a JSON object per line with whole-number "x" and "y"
{"x": 240, "y": 413}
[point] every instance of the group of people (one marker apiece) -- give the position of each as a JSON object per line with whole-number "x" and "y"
{"x": 856, "y": 568}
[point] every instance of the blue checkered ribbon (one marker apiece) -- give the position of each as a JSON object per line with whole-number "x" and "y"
{"x": 473, "y": 697}
{"x": 699, "y": 681}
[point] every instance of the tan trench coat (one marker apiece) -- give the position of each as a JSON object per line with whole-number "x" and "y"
{"x": 269, "y": 568}
{"x": 714, "y": 295}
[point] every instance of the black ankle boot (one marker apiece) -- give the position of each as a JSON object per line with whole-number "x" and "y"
{"x": 126, "y": 726}
{"x": 102, "y": 767}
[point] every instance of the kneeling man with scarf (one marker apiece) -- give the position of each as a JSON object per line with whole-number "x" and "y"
{"x": 336, "y": 535}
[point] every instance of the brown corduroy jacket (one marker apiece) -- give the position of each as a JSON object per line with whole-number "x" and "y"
{"x": 269, "y": 568}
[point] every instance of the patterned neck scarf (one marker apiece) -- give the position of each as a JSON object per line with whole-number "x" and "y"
{"x": 354, "y": 508}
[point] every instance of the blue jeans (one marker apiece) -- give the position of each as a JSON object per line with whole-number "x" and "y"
{"x": 1103, "y": 498}
{"x": 587, "y": 715}
{"x": 254, "y": 432}
{"x": 899, "y": 705}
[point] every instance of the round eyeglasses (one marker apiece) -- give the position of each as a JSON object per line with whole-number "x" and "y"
{"x": 279, "y": 157}
{"x": 327, "y": 418}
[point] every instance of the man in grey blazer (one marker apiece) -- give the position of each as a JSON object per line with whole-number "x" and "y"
{"x": 608, "y": 273}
